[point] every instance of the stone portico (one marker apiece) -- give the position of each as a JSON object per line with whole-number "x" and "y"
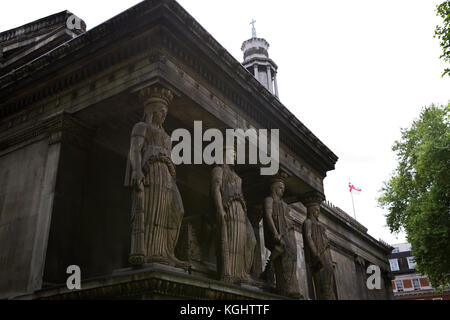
{"x": 66, "y": 116}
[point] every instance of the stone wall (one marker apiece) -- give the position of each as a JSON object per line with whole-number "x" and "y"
{"x": 91, "y": 220}
{"x": 21, "y": 175}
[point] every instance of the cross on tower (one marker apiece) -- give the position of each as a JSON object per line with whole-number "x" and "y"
{"x": 253, "y": 28}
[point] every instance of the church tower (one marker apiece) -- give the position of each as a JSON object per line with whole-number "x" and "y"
{"x": 258, "y": 63}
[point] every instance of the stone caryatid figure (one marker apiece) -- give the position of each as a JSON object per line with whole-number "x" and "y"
{"x": 236, "y": 238}
{"x": 157, "y": 208}
{"x": 317, "y": 249}
{"x": 279, "y": 236}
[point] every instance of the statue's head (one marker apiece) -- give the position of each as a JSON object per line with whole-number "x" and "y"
{"x": 156, "y": 101}
{"x": 278, "y": 188}
{"x": 278, "y": 184}
{"x": 157, "y": 112}
{"x": 312, "y": 200}
{"x": 314, "y": 210}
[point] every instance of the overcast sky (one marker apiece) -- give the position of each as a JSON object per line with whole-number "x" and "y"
{"x": 353, "y": 71}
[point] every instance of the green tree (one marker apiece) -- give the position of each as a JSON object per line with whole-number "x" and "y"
{"x": 443, "y": 32}
{"x": 417, "y": 195}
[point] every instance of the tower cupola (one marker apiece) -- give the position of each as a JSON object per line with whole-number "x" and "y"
{"x": 258, "y": 63}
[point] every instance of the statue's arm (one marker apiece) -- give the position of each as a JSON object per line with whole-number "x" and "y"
{"x": 135, "y": 155}
{"x": 268, "y": 208}
{"x": 310, "y": 242}
{"x": 216, "y": 183}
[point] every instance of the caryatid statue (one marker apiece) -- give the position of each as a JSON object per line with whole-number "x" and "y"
{"x": 317, "y": 249}
{"x": 237, "y": 241}
{"x": 157, "y": 208}
{"x": 279, "y": 237}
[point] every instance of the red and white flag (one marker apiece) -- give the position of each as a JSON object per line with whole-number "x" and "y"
{"x": 353, "y": 189}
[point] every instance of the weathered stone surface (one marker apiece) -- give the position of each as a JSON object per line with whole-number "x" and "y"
{"x": 21, "y": 213}
{"x": 20, "y": 45}
{"x": 317, "y": 250}
{"x": 280, "y": 240}
{"x": 155, "y": 282}
{"x": 62, "y": 199}
{"x": 157, "y": 209}
{"x": 236, "y": 238}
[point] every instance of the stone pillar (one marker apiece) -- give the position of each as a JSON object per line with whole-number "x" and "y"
{"x": 276, "y": 84}
{"x": 269, "y": 79}
{"x": 62, "y": 128}
{"x": 44, "y": 215}
{"x": 256, "y": 72}
{"x": 361, "y": 286}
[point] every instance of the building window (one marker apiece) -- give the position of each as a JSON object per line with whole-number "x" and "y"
{"x": 407, "y": 284}
{"x": 396, "y": 250}
{"x": 394, "y": 264}
{"x": 411, "y": 262}
{"x": 424, "y": 282}
{"x": 416, "y": 284}
{"x": 399, "y": 285}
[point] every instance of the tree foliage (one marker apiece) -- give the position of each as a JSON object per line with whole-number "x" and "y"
{"x": 443, "y": 32}
{"x": 417, "y": 195}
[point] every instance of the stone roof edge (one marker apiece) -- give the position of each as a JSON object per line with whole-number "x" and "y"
{"x": 342, "y": 215}
{"x": 104, "y": 28}
{"x": 50, "y": 20}
{"x": 346, "y": 223}
{"x": 345, "y": 215}
{"x": 243, "y": 73}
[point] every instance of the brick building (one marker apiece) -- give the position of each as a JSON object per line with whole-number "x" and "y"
{"x": 408, "y": 283}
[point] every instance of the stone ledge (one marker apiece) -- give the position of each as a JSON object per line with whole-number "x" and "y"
{"x": 155, "y": 282}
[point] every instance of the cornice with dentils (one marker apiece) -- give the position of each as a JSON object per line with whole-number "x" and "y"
{"x": 138, "y": 11}
{"x": 23, "y": 31}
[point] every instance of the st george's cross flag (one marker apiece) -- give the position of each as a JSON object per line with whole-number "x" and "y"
{"x": 353, "y": 189}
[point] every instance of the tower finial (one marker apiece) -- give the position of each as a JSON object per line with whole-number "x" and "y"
{"x": 253, "y": 28}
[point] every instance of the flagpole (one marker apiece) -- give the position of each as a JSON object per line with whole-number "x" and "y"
{"x": 353, "y": 203}
{"x": 354, "y": 213}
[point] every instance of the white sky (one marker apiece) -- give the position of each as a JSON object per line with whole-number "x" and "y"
{"x": 353, "y": 71}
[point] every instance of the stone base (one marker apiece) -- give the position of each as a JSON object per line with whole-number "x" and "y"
{"x": 154, "y": 281}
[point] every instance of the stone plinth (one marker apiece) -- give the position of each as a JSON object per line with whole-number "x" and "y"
{"x": 153, "y": 282}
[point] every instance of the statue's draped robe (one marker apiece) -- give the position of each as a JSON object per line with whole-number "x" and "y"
{"x": 286, "y": 264}
{"x": 324, "y": 279}
{"x": 238, "y": 250}
{"x": 162, "y": 204}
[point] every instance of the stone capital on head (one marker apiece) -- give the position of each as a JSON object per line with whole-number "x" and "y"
{"x": 312, "y": 198}
{"x": 156, "y": 95}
